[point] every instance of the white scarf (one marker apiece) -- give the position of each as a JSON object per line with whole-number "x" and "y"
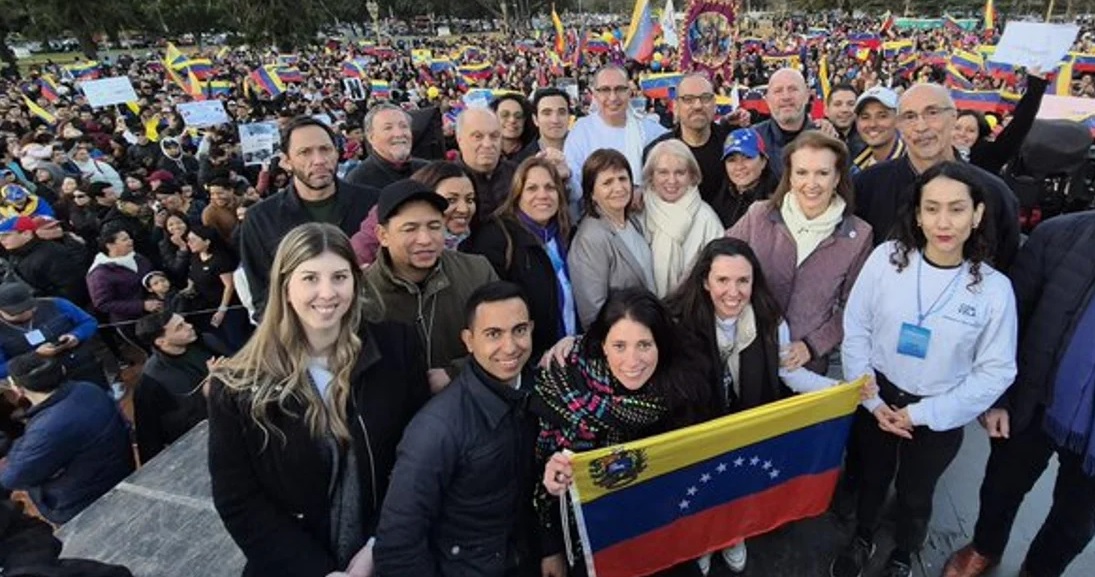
{"x": 633, "y": 145}
{"x": 128, "y": 261}
{"x": 667, "y": 229}
{"x": 808, "y": 233}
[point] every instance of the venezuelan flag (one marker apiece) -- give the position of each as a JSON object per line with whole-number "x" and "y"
{"x": 560, "y": 36}
{"x": 1062, "y": 85}
{"x": 46, "y": 116}
{"x": 906, "y": 66}
{"x": 265, "y": 78}
{"x": 658, "y": 85}
{"x": 48, "y": 87}
{"x": 980, "y": 100}
{"x": 752, "y": 45}
{"x": 290, "y": 74}
{"x": 639, "y": 42}
{"x": 202, "y": 68}
{"x": 220, "y": 88}
{"x": 650, "y": 504}
{"x": 867, "y": 39}
{"x": 174, "y": 57}
{"x": 823, "y": 82}
{"x": 951, "y": 24}
{"x": 84, "y": 70}
{"x": 597, "y": 46}
{"x": 970, "y": 63}
{"x": 481, "y": 71}
{"x": 752, "y": 99}
{"x": 990, "y": 15}
{"x": 381, "y": 88}
{"x": 439, "y": 65}
{"x": 891, "y": 50}
{"x": 1082, "y": 63}
{"x": 1001, "y": 70}
{"x": 956, "y": 79}
{"x": 725, "y": 105}
{"x": 353, "y": 69}
{"x": 421, "y": 56}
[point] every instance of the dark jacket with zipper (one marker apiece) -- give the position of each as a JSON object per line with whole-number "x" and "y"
{"x": 273, "y": 494}
{"x": 461, "y": 496}
{"x": 270, "y": 220}
{"x": 378, "y": 173}
{"x": 1054, "y": 280}
{"x": 519, "y": 257}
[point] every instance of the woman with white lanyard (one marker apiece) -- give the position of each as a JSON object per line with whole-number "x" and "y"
{"x": 935, "y": 325}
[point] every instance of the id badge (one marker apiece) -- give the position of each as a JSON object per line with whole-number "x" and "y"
{"x": 913, "y": 341}
{"x": 35, "y": 337}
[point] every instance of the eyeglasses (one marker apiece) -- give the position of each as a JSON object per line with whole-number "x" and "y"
{"x": 690, "y": 99}
{"x": 930, "y": 114}
{"x": 508, "y": 115}
{"x": 617, "y": 90}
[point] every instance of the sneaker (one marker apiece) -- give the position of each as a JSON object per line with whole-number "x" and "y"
{"x": 895, "y": 568}
{"x": 850, "y": 561}
{"x": 704, "y": 564}
{"x": 735, "y": 557}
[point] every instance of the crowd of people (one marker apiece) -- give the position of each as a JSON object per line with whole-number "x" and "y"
{"x": 397, "y": 345}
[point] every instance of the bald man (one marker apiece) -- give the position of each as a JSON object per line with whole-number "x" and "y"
{"x": 787, "y": 98}
{"x": 926, "y": 116}
{"x": 479, "y": 138}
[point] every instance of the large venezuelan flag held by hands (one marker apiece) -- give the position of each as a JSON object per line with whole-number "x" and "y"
{"x": 654, "y": 503}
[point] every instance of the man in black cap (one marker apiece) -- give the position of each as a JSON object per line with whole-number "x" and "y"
{"x": 416, "y": 278}
{"x": 315, "y": 194}
{"x": 52, "y": 327}
{"x": 135, "y": 216}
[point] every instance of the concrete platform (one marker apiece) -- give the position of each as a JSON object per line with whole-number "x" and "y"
{"x": 161, "y": 523}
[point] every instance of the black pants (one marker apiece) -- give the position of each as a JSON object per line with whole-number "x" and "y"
{"x": 917, "y": 464}
{"x": 1014, "y": 466}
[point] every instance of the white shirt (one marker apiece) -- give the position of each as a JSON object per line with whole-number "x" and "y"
{"x": 321, "y": 377}
{"x": 970, "y": 358}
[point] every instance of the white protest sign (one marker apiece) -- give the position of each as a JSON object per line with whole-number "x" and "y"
{"x": 478, "y": 98}
{"x": 259, "y": 142}
{"x": 108, "y": 91}
{"x": 203, "y": 113}
{"x": 353, "y": 89}
{"x": 1035, "y": 44}
{"x": 1068, "y": 107}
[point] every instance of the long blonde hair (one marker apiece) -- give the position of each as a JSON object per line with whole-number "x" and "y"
{"x": 272, "y": 368}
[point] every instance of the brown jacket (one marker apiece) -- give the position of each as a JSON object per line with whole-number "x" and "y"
{"x": 812, "y": 295}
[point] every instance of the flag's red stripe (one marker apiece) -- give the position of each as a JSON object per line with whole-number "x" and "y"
{"x": 801, "y": 497}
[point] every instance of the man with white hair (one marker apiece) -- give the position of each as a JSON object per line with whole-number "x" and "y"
{"x": 787, "y": 98}
{"x": 612, "y": 126}
{"x": 479, "y": 138}
{"x": 388, "y": 132}
{"x": 925, "y": 117}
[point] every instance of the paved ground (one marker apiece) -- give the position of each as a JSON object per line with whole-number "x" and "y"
{"x": 161, "y": 523}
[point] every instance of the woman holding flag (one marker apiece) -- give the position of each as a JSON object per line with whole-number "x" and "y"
{"x": 935, "y": 326}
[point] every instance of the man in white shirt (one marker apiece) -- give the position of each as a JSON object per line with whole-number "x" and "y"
{"x": 612, "y": 126}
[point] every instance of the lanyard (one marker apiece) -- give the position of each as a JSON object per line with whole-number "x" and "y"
{"x": 936, "y": 306}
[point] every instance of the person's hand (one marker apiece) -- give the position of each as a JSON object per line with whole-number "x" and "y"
{"x": 795, "y": 355}
{"x": 869, "y": 390}
{"x": 47, "y": 350}
{"x": 558, "y": 473}
{"x": 218, "y": 318}
{"x": 996, "y": 422}
{"x": 740, "y": 118}
{"x": 153, "y": 306}
{"x": 903, "y": 420}
{"x": 558, "y": 353}
{"x": 179, "y": 241}
{"x": 362, "y": 563}
{"x": 67, "y": 341}
{"x": 826, "y": 127}
{"x": 554, "y": 566}
{"x": 438, "y": 379}
{"x": 887, "y": 421}
{"x": 556, "y": 158}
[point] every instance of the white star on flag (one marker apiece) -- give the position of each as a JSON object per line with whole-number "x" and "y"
{"x": 774, "y": 473}
{"x": 705, "y": 478}
{"x": 754, "y": 461}
{"x": 721, "y": 468}
{"x": 767, "y": 465}
{"x": 692, "y": 490}
{"x": 739, "y": 462}
{"x": 684, "y": 504}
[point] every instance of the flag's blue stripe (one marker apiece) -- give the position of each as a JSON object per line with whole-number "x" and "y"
{"x": 645, "y": 506}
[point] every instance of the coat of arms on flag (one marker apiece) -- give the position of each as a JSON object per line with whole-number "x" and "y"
{"x": 650, "y": 504}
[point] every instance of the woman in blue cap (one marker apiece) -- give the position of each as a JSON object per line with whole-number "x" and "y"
{"x": 748, "y": 176}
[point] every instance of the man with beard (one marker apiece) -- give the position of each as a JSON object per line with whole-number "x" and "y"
{"x": 926, "y": 116}
{"x": 840, "y": 111}
{"x": 787, "y": 97}
{"x": 876, "y": 124}
{"x": 315, "y": 194}
{"x": 388, "y": 132}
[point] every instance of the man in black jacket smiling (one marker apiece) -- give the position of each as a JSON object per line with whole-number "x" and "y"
{"x": 473, "y": 441}
{"x": 310, "y": 155}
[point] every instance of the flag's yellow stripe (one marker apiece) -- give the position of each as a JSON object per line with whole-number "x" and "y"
{"x": 678, "y": 449}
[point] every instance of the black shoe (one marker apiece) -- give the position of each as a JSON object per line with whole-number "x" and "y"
{"x": 895, "y": 568}
{"x": 850, "y": 561}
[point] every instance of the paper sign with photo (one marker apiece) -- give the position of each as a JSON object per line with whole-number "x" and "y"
{"x": 1033, "y": 44}
{"x": 108, "y": 91}
{"x": 259, "y": 142}
{"x": 203, "y": 113}
{"x": 353, "y": 89}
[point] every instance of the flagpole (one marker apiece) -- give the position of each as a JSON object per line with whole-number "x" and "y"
{"x": 1049, "y": 10}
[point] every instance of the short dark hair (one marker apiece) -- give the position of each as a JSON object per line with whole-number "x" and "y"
{"x": 35, "y": 373}
{"x": 491, "y": 292}
{"x": 842, "y": 87}
{"x": 601, "y": 160}
{"x": 548, "y": 93}
{"x": 151, "y": 327}
{"x": 221, "y": 181}
{"x": 301, "y": 122}
{"x": 109, "y": 234}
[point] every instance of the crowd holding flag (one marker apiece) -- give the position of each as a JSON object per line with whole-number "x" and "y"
{"x": 641, "y": 34}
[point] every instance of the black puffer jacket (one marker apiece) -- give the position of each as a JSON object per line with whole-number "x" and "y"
{"x": 1054, "y": 280}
